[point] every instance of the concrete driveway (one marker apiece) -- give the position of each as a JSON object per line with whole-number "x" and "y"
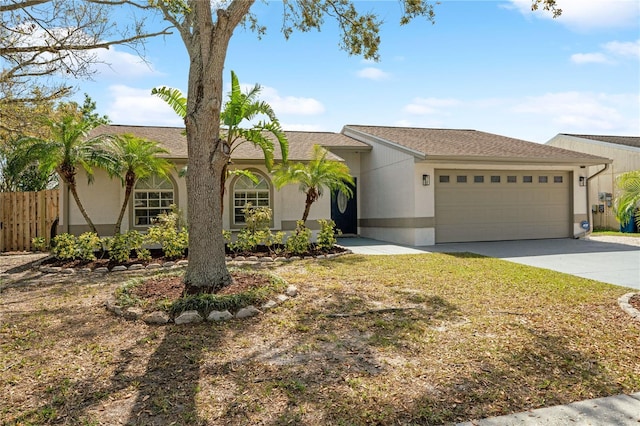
{"x": 612, "y": 263}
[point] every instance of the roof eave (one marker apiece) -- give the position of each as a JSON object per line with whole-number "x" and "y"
{"x": 519, "y": 160}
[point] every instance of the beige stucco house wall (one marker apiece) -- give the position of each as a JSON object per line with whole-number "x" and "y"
{"x": 417, "y": 187}
{"x": 103, "y": 199}
{"x": 624, "y": 151}
{"x": 400, "y": 186}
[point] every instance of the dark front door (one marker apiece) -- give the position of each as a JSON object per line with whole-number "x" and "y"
{"x": 344, "y": 211}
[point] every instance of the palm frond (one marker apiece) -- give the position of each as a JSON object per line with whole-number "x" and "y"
{"x": 174, "y": 97}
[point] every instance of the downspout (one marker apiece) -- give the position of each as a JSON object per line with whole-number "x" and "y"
{"x": 589, "y": 212}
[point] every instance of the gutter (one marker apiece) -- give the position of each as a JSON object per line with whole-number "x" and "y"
{"x": 589, "y": 212}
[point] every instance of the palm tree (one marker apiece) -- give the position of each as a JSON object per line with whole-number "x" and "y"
{"x": 66, "y": 149}
{"x": 628, "y": 199}
{"x": 134, "y": 158}
{"x": 315, "y": 175}
{"x": 239, "y": 108}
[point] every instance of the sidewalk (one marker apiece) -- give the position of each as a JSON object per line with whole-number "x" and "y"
{"x": 619, "y": 410}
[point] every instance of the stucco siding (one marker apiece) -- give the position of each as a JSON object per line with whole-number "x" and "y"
{"x": 104, "y": 197}
{"x": 625, "y": 158}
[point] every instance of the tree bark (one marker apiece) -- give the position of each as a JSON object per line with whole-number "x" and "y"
{"x": 207, "y": 45}
{"x": 312, "y": 196}
{"x": 130, "y": 181}
{"x": 68, "y": 175}
{"x": 74, "y": 193}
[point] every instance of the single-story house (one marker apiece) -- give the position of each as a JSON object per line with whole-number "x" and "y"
{"x": 414, "y": 186}
{"x": 624, "y": 151}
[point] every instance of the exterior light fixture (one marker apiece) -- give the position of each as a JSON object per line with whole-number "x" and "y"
{"x": 582, "y": 181}
{"x": 426, "y": 180}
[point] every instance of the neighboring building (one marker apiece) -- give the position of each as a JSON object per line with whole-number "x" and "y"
{"x": 624, "y": 151}
{"x": 414, "y": 186}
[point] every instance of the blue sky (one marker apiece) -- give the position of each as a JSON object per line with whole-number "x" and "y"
{"x": 493, "y": 66}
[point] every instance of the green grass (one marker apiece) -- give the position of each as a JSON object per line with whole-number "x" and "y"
{"x": 422, "y": 339}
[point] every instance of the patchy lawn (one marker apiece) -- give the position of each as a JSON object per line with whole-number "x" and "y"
{"x": 423, "y": 339}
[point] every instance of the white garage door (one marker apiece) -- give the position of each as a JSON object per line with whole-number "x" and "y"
{"x": 493, "y": 205}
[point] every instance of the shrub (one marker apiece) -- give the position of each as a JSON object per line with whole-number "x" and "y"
{"x": 327, "y": 235}
{"x": 257, "y": 218}
{"x": 170, "y": 233}
{"x": 39, "y": 243}
{"x": 255, "y": 232}
{"x": 63, "y": 247}
{"x": 274, "y": 242}
{"x": 120, "y": 246}
{"x": 87, "y": 244}
{"x": 299, "y": 242}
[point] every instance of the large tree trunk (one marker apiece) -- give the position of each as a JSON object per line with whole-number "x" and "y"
{"x": 208, "y": 155}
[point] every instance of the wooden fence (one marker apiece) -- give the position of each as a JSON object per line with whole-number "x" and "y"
{"x": 25, "y": 215}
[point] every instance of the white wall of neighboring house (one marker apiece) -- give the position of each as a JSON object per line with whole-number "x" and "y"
{"x": 625, "y": 159}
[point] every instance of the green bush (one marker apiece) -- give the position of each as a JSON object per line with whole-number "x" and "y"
{"x": 63, "y": 247}
{"x": 39, "y": 243}
{"x": 120, "y": 246}
{"x": 300, "y": 241}
{"x": 327, "y": 235}
{"x": 170, "y": 233}
{"x": 87, "y": 244}
{"x": 257, "y": 218}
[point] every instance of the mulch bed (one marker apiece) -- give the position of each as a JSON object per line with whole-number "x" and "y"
{"x": 172, "y": 287}
{"x": 157, "y": 257}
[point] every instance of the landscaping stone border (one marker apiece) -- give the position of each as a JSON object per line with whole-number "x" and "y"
{"x": 623, "y": 301}
{"x": 194, "y": 317}
{"x": 237, "y": 260}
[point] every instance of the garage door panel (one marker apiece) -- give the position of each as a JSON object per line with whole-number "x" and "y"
{"x": 501, "y": 209}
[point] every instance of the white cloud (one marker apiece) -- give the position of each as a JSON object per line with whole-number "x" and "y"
{"x": 589, "y": 58}
{"x": 584, "y": 15}
{"x": 629, "y": 48}
{"x": 291, "y": 104}
{"x": 425, "y": 106}
{"x": 372, "y": 73}
{"x": 138, "y": 107}
{"x": 585, "y": 112}
{"x": 118, "y": 64}
{"x": 613, "y": 49}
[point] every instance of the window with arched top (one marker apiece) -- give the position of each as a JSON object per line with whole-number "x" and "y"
{"x": 246, "y": 191}
{"x": 151, "y": 196}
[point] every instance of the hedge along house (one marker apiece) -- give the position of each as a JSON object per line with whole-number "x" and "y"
{"x": 414, "y": 186}
{"x": 421, "y": 186}
{"x": 624, "y": 152}
{"x": 103, "y": 198}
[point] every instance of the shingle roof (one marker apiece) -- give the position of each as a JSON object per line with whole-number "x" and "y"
{"x": 633, "y": 141}
{"x": 175, "y": 141}
{"x": 471, "y": 144}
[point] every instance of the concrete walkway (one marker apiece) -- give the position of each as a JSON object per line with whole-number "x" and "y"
{"x": 610, "y": 262}
{"x": 620, "y": 410}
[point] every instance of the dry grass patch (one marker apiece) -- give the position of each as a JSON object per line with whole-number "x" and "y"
{"x": 423, "y": 339}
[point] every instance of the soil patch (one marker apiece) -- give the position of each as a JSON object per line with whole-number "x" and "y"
{"x": 171, "y": 288}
